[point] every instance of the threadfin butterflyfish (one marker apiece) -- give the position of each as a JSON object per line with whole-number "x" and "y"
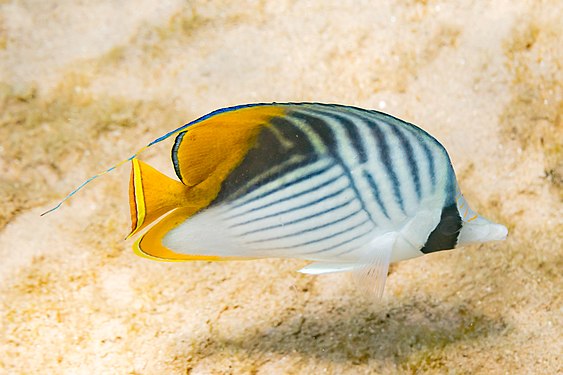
{"x": 346, "y": 188}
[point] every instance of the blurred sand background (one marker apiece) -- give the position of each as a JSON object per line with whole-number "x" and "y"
{"x": 84, "y": 84}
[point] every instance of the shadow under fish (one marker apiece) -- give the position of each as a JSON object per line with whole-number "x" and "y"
{"x": 356, "y": 334}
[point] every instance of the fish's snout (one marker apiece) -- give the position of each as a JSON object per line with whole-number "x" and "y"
{"x": 481, "y": 231}
{"x": 497, "y": 232}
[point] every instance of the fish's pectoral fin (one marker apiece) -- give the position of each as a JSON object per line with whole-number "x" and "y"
{"x": 371, "y": 272}
{"x": 319, "y": 268}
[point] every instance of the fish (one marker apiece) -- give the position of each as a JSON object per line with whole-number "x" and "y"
{"x": 346, "y": 188}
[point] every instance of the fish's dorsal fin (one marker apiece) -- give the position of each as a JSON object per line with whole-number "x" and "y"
{"x": 180, "y": 130}
{"x": 215, "y": 146}
{"x": 135, "y": 155}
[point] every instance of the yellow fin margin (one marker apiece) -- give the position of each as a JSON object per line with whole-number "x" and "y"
{"x": 150, "y": 244}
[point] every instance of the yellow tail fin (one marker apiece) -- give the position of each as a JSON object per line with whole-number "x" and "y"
{"x": 152, "y": 194}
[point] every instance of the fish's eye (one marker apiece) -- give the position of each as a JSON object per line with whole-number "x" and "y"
{"x": 449, "y": 226}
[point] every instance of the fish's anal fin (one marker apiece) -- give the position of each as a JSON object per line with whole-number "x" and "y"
{"x": 150, "y": 244}
{"x": 371, "y": 272}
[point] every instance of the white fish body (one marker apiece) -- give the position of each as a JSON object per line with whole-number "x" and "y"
{"x": 349, "y": 189}
{"x": 346, "y": 188}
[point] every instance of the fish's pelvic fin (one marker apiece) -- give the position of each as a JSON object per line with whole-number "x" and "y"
{"x": 152, "y": 194}
{"x": 371, "y": 274}
{"x": 369, "y": 271}
{"x": 320, "y": 268}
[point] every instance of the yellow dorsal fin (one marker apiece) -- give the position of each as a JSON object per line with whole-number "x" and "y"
{"x": 152, "y": 194}
{"x": 203, "y": 156}
{"x": 249, "y": 115}
{"x": 215, "y": 146}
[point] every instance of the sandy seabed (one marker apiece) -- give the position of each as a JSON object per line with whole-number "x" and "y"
{"x": 85, "y": 83}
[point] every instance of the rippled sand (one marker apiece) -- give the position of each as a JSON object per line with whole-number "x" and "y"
{"x": 84, "y": 84}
